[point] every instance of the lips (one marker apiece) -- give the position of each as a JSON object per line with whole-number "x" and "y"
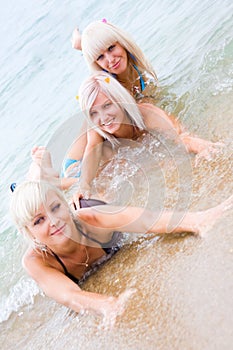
{"x": 58, "y": 231}
{"x": 108, "y": 123}
{"x": 116, "y": 65}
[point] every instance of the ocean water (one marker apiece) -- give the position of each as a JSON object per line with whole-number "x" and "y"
{"x": 184, "y": 284}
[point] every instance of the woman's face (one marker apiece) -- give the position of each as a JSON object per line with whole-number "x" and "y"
{"x": 114, "y": 59}
{"x": 52, "y": 224}
{"x": 108, "y": 116}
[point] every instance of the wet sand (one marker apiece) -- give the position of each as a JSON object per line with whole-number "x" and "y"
{"x": 183, "y": 301}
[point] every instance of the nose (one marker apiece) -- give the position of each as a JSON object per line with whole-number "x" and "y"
{"x": 104, "y": 117}
{"x": 52, "y": 221}
{"x": 109, "y": 56}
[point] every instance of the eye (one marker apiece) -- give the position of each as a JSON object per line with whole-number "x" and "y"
{"x": 39, "y": 220}
{"x": 111, "y": 48}
{"x": 100, "y": 57}
{"x": 92, "y": 114}
{"x": 107, "y": 105}
{"x": 56, "y": 207}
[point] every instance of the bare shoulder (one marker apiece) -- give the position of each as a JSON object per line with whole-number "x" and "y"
{"x": 148, "y": 109}
{"x": 32, "y": 260}
{"x": 94, "y": 137}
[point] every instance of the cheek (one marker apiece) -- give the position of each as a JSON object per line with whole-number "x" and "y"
{"x": 38, "y": 233}
{"x": 95, "y": 119}
{"x": 118, "y": 111}
{"x": 101, "y": 64}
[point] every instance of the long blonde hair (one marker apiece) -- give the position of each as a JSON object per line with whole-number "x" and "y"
{"x": 109, "y": 86}
{"x": 99, "y": 36}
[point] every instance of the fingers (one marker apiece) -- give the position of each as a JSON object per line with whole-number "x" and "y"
{"x": 75, "y": 203}
{"x": 83, "y": 191}
{"x": 116, "y": 309}
{"x": 207, "y": 154}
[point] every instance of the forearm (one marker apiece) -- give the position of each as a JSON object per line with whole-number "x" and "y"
{"x": 66, "y": 182}
{"x": 88, "y": 301}
{"x": 90, "y": 164}
{"x": 194, "y": 144}
{"x": 174, "y": 222}
{"x": 166, "y": 222}
{"x": 140, "y": 220}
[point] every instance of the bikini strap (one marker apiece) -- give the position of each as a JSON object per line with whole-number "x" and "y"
{"x": 142, "y": 83}
{"x": 60, "y": 262}
{"x": 69, "y": 275}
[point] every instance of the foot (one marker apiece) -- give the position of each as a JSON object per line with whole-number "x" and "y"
{"x": 41, "y": 167}
{"x": 41, "y": 156}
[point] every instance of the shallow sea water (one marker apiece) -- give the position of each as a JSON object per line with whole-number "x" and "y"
{"x": 184, "y": 283}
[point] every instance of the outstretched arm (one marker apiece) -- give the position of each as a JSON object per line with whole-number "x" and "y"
{"x": 59, "y": 287}
{"x": 103, "y": 219}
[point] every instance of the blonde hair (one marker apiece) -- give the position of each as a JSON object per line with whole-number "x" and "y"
{"x": 27, "y": 199}
{"x": 99, "y": 36}
{"x": 109, "y": 86}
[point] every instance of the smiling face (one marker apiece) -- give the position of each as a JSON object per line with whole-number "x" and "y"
{"x": 108, "y": 116}
{"x": 114, "y": 59}
{"x": 52, "y": 223}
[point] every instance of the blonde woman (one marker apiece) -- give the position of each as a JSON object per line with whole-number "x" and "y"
{"x": 113, "y": 114}
{"x": 108, "y": 48}
{"x": 65, "y": 248}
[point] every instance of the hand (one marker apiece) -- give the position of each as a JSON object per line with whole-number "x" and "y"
{"x": 84, "y": 191}
{"x": 76, "y": 39}
{"x": 207, "y": 153}
{"x": 115, "y": 307}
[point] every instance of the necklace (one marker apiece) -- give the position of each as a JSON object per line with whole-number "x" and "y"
{"x": 87, "y": 259}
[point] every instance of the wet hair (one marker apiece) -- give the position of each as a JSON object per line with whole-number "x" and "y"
{"x": 99, "y": 36}
{"x": 27, "y": 199}
{"x": 109, "y": 86}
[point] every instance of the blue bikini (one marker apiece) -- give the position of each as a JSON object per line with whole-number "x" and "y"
{"x": 142, "y": 82}
{"x": 75, "y": 171}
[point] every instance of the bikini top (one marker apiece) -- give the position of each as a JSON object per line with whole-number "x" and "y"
{"x": 110, "y": 251}
{"x": 142, "y": 82}
{"x": 110, "y": 248}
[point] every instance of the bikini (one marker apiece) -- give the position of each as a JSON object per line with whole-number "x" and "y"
{"x": 110, "y": 248}
{"x": 110, "y": 251}
{"x": 142, "y": 82}
{"x": 75, "y": 171}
